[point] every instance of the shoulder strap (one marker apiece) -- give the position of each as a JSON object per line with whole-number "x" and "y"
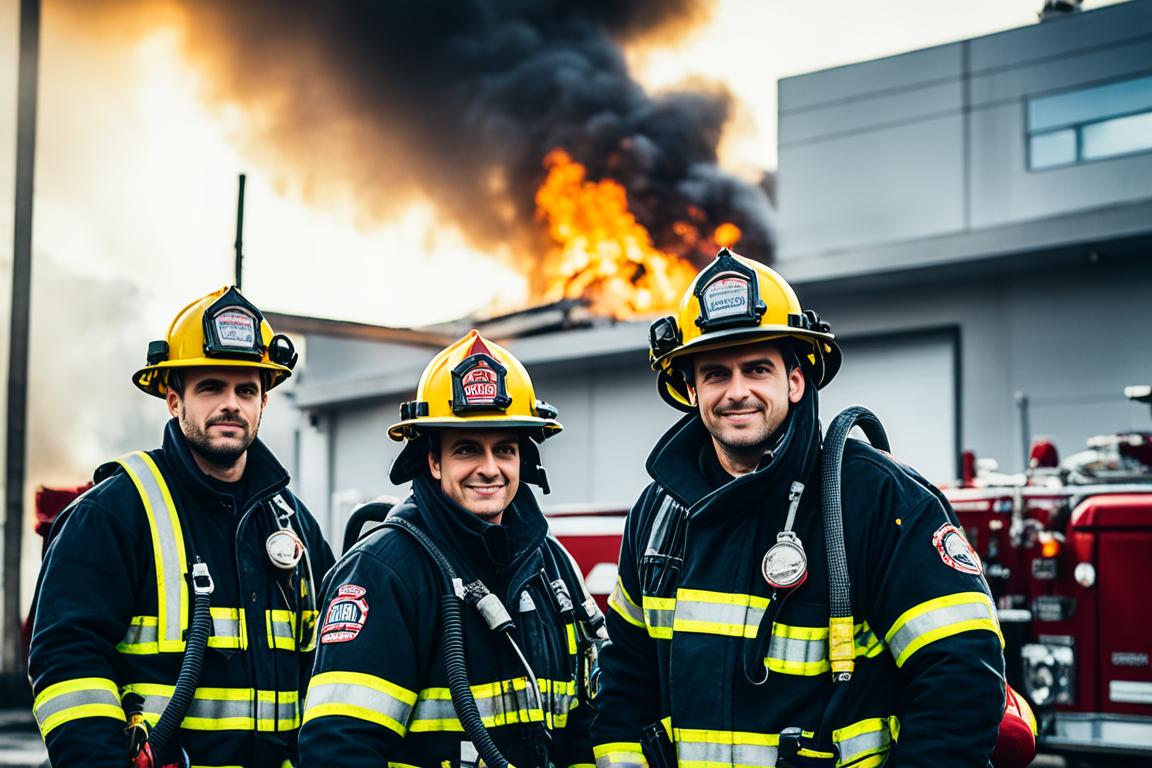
{"x": 660, "y": 563}
{"x": 167, "y": 549}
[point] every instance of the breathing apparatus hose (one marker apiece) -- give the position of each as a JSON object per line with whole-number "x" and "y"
{"x": 839, "y": 587}
{"x": 192, "y": 665}
{"x": 452, "y": 645}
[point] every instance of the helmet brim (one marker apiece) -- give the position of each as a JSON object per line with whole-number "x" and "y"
{"x": 151, "y": 379}
{"x": 822, "y": 368}
{"x": 413, "y": 428}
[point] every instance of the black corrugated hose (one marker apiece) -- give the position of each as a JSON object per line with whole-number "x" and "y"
{"x": 839, "y": 586}
{"x": 452, "y": 645}
{"x": 190, "y": 667}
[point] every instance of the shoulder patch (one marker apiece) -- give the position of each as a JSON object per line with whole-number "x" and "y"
{"x": 955, "y": 550}
{"x": 345, "y": 615}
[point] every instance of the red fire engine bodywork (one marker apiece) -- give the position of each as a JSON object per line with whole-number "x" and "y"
{"x": 1068, "y": 552}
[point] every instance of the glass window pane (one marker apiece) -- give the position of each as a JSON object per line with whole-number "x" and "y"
{"x": 1048, "y": 149}
{"x": 1090, "y": 104}
{"x": 1119, "y": 136}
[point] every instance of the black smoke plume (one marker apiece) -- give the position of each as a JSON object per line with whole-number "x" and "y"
{"x": 460, "y": 100}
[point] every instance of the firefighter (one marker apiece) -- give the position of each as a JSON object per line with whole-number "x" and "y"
{"x": 459, "y": 633}
{"x": 175, "y": 610}
{"x": 723, "y": 648}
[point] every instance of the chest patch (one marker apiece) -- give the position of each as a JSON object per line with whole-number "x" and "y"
{"x": 345, "y": 615}
{"x": 955, "y": 550}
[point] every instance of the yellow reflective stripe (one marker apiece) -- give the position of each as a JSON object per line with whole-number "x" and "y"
{"x": 659, "y": 614}
{"x": 796, "y": 650}
{"x": 700, "y": 748}
{"x": 619, "y": 754}
{"x": 281, "y": 626}
{"x": 718, "y": 613}
{"x": 500, "y": 703}
{"x": 167, "y": 548}
{"x": 863, "y": 743}
{"x": 620, "y": 602}
{"x": 570, "y": 633}
{"x": 229, "y": 628}
{"x": 401, "y": 765}
{"x": 71, "y": 700}
{"x": 866, "y": 738}
{"x": 939, "y": 618}
{"x": 361, "y": 696}
{"x": 309, "y": 618}
{"x": 141, "y": 637}
{"x": 225, "y": 709}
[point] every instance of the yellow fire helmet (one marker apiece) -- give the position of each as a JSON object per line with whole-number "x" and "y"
{"x": 736, "y": 301}
{"x": 222, "y": 329}
{"x": 473, "y": 384}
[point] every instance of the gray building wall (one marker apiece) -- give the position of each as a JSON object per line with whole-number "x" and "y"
{"x": 921, "y": 159}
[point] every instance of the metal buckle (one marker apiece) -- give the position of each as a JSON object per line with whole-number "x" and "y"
{"x": 201, "y": 580}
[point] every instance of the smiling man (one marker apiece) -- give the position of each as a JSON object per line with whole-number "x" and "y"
{"x": 394, "y": 683}
{"x": 190, "y": 563}
{"x": 724, "y": 649}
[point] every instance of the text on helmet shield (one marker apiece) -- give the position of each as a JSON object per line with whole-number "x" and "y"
{"x": 235, "y": 328}
{"x": 725, "y": 297}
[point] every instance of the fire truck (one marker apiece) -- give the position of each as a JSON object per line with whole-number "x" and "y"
{"x": 1067, "y": 550}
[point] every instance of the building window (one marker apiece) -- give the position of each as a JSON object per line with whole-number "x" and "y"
{"x": 1090, "y": 123}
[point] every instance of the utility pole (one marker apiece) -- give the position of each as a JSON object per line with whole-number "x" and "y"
{"x": 239, "y": 244}
{"x": 15, "y": 465}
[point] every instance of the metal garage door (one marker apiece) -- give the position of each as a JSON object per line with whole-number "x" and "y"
{"x": 909, "y": 381}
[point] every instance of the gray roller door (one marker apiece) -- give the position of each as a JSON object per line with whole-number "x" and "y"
{"x": 909, "y": 381}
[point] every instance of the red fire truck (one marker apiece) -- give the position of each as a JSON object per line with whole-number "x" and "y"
{"x": 1067, "y": 549}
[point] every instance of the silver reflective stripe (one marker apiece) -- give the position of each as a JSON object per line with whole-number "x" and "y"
{"x": 227, "y": 628}
{"x": 660, "y": 615}
{"x": 617, "y": 760}
{"x": 713, "y": 753}
{"x": 856, "y": 747}
{"x": 514, "y": 706}
{"x": 337, "y": 694}
{"x": 168, "y": 550}
{"x": 785, "y": 653}
{"x": 694, "y": 615}
{"x": 625, "y": 607}
{"x": 222, "y": 709}
{"x": 84, "y": 697}
{"x": 935, "y": 619}
{"x": 281, "y": 630}
{"x": 141, "y": 636}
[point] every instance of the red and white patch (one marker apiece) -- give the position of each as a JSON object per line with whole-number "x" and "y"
{"x": 481, "y": 384}
{"x": 955, "y": 550}
{"x": 345, "y": 615}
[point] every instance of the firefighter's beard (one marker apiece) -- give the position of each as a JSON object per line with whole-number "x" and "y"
{"x": 219, "y": 451}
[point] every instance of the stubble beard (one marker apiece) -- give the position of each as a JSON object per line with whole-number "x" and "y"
{"x": 222, "y": 456}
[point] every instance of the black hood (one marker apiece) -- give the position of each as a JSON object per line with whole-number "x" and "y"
{"x": 485, "y": 547}
{"x": 676, "y": 464}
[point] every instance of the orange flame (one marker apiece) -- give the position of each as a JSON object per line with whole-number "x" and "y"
{"x": 601, "y": 253}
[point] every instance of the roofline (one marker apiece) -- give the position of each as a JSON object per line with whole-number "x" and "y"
{"x": 347, "y": 329}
